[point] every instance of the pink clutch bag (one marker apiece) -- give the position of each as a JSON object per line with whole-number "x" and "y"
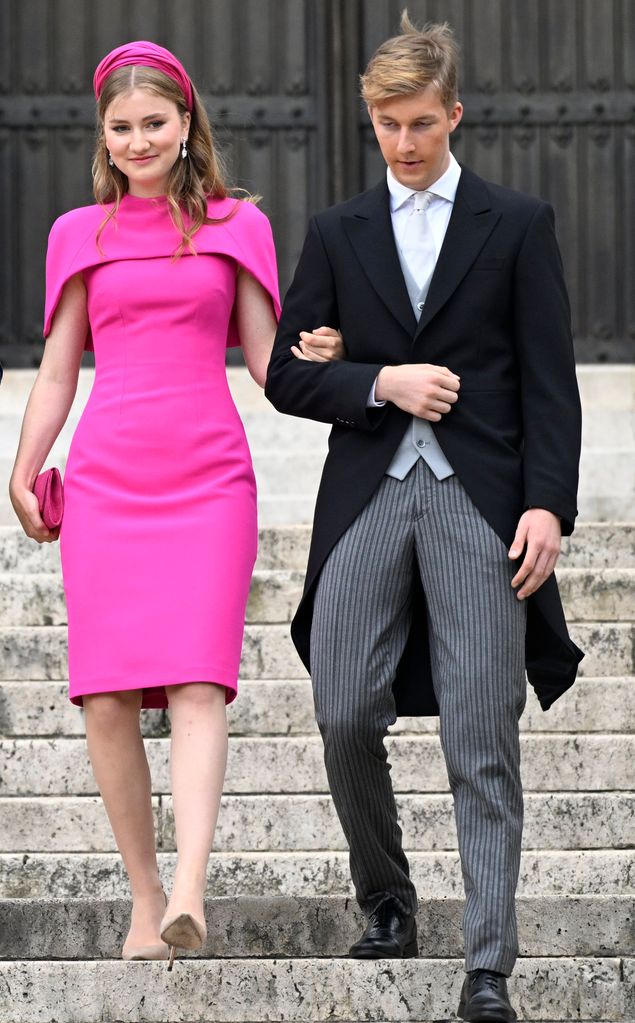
{"x": 50, "y": 494}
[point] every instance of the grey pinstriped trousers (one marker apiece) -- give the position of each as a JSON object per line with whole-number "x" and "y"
{"x": 477, "y": 636}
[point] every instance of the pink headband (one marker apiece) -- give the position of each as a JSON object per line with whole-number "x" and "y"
{"x": 147, "y": 55}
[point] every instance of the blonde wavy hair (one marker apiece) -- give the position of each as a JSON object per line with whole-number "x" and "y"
{"x": 192, "y": 181}
{"x": 410, "y": 62}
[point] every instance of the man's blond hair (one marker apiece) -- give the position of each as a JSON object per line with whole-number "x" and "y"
{"x": 411, "y": 61}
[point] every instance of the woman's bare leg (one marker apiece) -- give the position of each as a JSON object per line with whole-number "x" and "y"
{"x": 120, "y": 765}
{"x": 199, "y": 758}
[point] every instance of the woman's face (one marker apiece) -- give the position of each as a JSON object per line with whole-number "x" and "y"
{"x": 143, "y": 133}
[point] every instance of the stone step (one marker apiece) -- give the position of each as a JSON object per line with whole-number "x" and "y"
{"x": 605, "y": 595}
{"x": 18, "y": 553}
{"x": 285, "y": 707}
{"x": 427, "y": 821}
{"x": 549, "y": 990}
{"x": 607, "y": 473}
{"x": 274, "y": 823}
{"x": 603, "y": 388}
{"x": 435, "y": 874}
{"x": 584, "y": 925}
{"x": 293, "y": 509}
{"x": 595, "y": 508}
{"x": 285, "y": 547}
{"x": 17, "y": 385}
{"x": 273, "y": 469}
{"x": 273, "y": 510}
{"x": 550, "y": 763}
{"x": 38, "y": 598}
{"x": 607, "y": 477}
{"x": 602, "y": 595}
{"x": 286, "y": 509}
{"x": 608, "y": 428}
{"x": 39, "y": 652}
{"x": 269, "y": 430}
{"x": 11, "y": 423}
{"x": 275, "y": 473}
{"x": 605, "y": 391}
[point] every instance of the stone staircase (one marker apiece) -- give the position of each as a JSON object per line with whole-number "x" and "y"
{"x": 280, "y": 908}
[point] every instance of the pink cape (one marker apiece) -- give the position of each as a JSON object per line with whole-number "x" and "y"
{"x": 246, "y": 237}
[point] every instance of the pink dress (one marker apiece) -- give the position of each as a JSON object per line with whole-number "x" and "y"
{"x": 159, "y": 535}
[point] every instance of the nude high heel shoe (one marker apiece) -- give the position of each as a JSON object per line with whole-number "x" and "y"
{"x": 143, "y": 952}
{"x": 182, "y": 930}
{"x": 156, "y": 951}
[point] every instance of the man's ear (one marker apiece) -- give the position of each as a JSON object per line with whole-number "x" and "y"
{"x": 455, "y": 116}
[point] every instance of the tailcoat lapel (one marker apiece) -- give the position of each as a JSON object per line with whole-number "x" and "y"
{"x": 370, "y": 233}
{"x": 471, "y": 223}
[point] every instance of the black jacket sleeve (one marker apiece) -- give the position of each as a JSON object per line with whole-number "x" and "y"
{"x": 331, "y": 392}
{"x": 549, "y": 390}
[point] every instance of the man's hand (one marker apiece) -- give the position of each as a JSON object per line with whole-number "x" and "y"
{"x": 320, "y": 345}
{"x": 539, "y": 532}
{"x": 423, "y": 390}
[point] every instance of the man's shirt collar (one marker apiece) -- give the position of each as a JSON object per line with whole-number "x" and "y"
{"x": 444, "y": 187}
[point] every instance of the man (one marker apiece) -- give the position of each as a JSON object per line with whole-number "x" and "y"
{"x": 450, "y": 478}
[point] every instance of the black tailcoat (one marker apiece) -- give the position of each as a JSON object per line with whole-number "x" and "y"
{"x": 497, "y": 314}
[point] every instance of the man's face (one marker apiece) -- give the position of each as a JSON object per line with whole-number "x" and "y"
{"x": 414, "y": 136}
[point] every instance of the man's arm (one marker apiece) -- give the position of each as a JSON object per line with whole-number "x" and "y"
{"x": 339, "y": 391}
{"x": 549, "y": 391}
{"x": 331, "y": 392}
{"x": 550, "y": 404}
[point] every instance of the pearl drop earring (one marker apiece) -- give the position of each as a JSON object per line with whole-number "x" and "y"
{"x": 110, "y": 160}
{"x": 184, "y": 149}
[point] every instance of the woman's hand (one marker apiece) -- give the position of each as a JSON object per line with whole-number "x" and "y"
{"x": 27, "y": 509}
{"x": 321, "y": 345}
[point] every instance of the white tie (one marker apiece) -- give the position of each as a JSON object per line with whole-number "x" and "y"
{"x": 418, "y": 248}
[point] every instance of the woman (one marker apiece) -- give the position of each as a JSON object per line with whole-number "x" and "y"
{"x": 159, "y": 535}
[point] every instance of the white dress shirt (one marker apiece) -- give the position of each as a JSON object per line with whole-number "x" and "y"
{"x": 438, "y": 213}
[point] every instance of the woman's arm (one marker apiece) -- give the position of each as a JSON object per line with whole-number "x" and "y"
{"x": 256, "y": 323}
{"x": 49, "y": 404}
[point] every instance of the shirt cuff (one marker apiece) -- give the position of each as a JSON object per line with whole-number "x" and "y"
{"x": 371, "y": 401}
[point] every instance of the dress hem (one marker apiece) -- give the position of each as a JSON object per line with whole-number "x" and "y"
{"x": 154, "y": 695}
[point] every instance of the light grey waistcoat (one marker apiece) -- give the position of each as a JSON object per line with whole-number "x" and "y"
{"x": 418, "y": 441}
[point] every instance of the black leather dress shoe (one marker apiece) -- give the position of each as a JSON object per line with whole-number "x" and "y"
{"x": 484, "y": 998}
{"x": 389, "y": 934}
